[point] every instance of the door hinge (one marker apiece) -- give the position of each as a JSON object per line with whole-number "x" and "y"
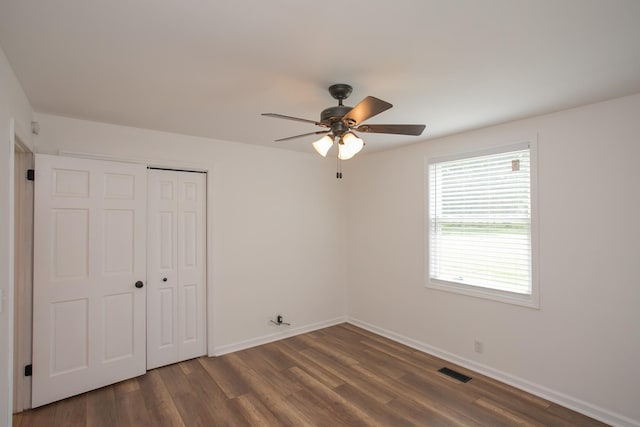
{"x": 27, "y": 370}
{"x": 31, "y": 174}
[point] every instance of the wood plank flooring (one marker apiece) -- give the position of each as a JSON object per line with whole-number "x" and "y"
{"x": 338, "y": 376}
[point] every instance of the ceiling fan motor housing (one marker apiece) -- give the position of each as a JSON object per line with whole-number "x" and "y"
{"x": 332, "y": 117}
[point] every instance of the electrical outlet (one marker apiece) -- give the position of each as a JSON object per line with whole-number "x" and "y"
{"x": 478, "y": 346}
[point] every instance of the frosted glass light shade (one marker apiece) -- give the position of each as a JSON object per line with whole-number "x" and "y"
{"x": 351, "y": 145}
{"x": 323, "y": 144}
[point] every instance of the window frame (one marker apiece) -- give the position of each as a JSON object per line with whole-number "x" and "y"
{"x": 526, "y": 300}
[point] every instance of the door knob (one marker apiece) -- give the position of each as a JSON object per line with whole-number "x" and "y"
{"x": 164, "y": 279}
{"x": 139, "y": 284}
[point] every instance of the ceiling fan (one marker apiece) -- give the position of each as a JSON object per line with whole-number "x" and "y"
{"x": 341, "y": 121}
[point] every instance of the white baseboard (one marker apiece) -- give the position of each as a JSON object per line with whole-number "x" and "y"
{"x": 281, "y": 334}
{"x": 562, "y": 399}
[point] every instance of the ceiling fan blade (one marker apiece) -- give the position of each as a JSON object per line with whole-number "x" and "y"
{"x": 282, "y": 116}
{"x": 395, "y": 129}
{"x": 320, "y": 132}
{"x": 367, "y": 108}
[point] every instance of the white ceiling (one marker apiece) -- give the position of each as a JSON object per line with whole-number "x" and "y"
{"x": 210, "y": 67}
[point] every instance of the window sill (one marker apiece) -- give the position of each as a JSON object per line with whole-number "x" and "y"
{"x": 529, "y": 301}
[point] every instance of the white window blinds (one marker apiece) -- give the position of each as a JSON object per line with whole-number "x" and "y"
{"x": 480, "y": 221}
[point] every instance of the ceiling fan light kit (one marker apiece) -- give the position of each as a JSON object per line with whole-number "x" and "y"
{"x": 341, "y": 122}
{"x": 323, "y": 145}
{"x": 349, "y": 146}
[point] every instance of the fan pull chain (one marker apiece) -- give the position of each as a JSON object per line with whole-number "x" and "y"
{"x": 339, "y": 169}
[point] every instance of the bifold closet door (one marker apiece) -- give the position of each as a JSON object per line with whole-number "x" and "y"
{"x": 176, "y": 272}
{"x": 89, "y": 275}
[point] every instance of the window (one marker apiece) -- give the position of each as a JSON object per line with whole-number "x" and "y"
{"x": 481, "y": 226}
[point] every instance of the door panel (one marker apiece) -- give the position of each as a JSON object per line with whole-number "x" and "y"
{"x": 176, "y": 299}
{"x": 89, "y": 250}
{"x": 191, "y": 313}
{"x": 69, "y": 322}
{"x": 118, "y": 326}
{"x": 162, "y": 271}
{"x": 119, "y": 228}
{"x": 167, "y": 301}
{"x": 191, "y": 264}
{"x": 70, "y": 244}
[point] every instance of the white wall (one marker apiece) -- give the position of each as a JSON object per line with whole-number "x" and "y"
{"x": 278, "y": 237}
{"x": 584, "y": 342}
{"x": 15, "y": 117}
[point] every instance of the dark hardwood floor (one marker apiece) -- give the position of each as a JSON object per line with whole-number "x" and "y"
{"x": 338, "y": 376}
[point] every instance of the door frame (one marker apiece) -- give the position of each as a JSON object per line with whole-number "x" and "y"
{"x": 209, "y": 260}
{"x": 23, "y": 275}
{"x": 19, "y": 137}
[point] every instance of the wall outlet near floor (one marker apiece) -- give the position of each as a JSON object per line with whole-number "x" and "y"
{"x": 478, "y": 346}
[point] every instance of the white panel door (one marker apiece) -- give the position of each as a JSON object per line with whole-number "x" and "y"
{"x": 89, "y": 252}
{"x": 176, "y": 294}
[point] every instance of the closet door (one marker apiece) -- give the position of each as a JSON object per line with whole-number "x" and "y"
{"x": 176, "y": 292}
{"x": 89, "y": 275}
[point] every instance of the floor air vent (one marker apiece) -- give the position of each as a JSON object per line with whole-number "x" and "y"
{"x": 453, "y": 374}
